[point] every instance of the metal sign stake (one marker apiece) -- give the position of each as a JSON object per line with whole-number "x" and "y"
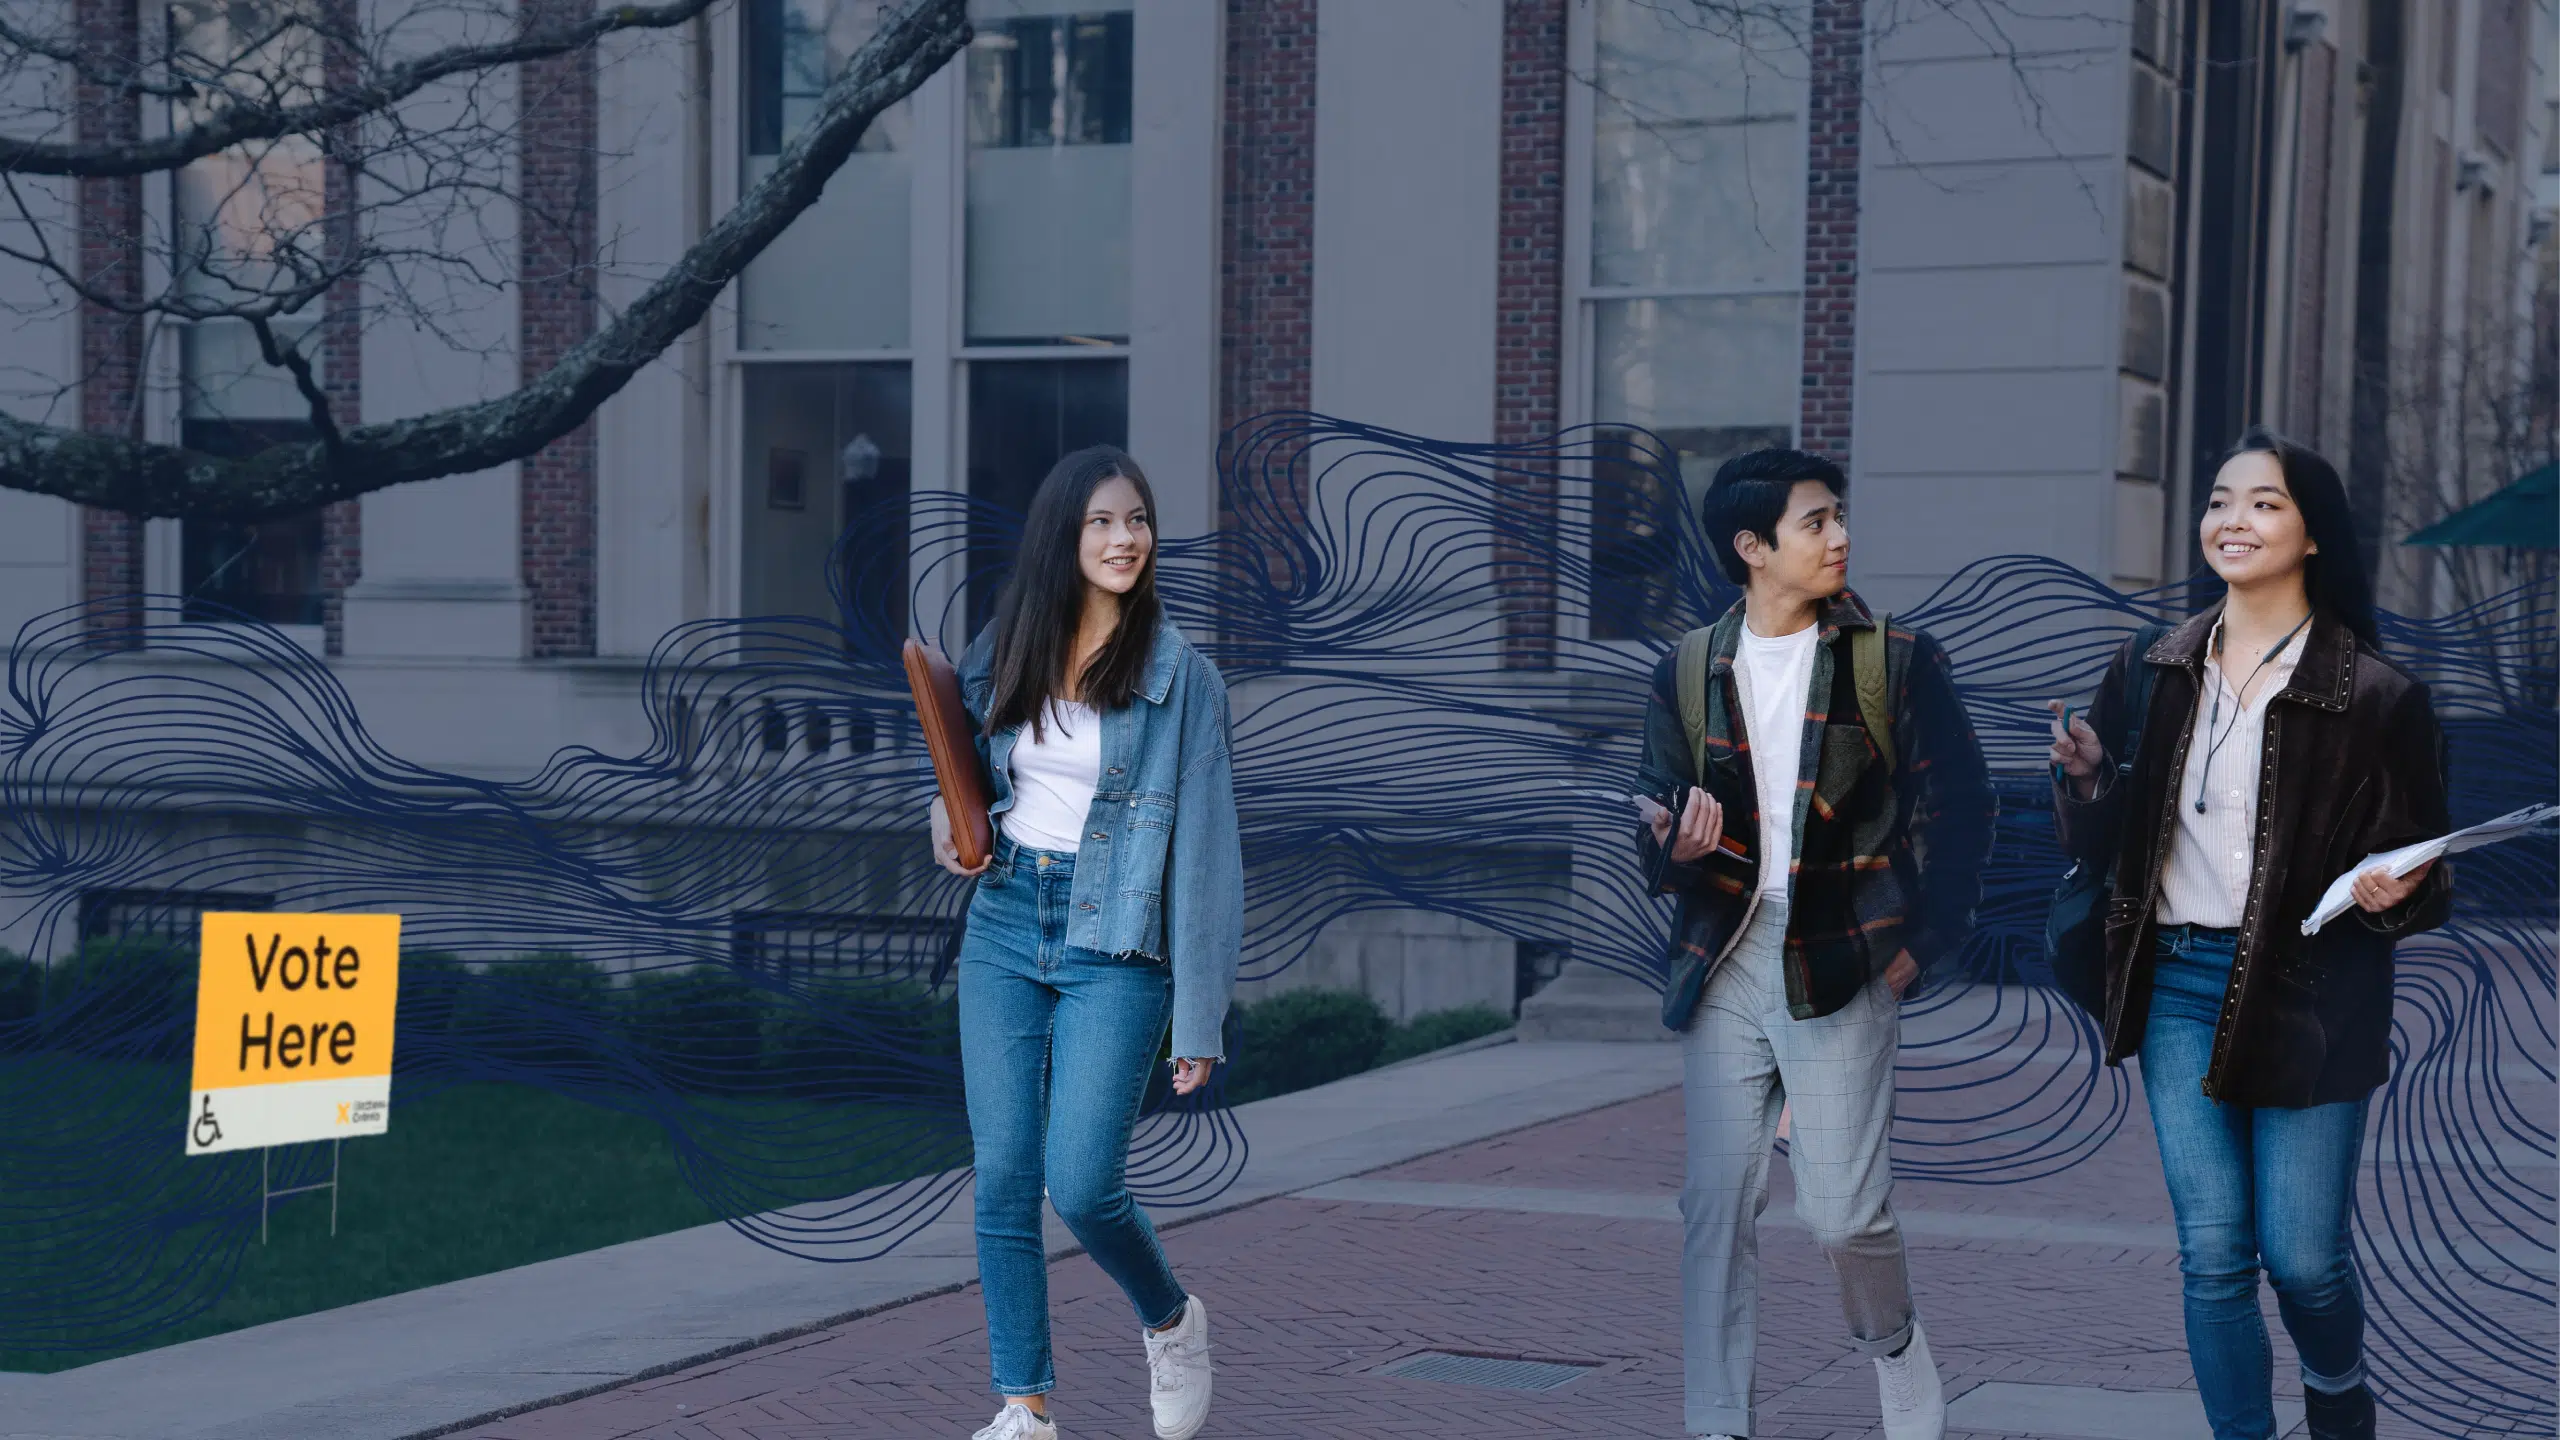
{"x": 267, "y": 1195}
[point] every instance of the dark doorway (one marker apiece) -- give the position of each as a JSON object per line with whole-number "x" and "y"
{"x": 2235, "y": 83}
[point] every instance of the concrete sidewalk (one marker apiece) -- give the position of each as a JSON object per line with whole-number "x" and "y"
{"x": 431, "y": 1359}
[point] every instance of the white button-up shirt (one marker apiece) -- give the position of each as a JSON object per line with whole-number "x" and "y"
{"x": 2206, "y": 879}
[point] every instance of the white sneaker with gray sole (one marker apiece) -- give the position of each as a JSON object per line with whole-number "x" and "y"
{"x": 1178, "y": 1373}
{"x": 1016, "y": 1422}
{"x": 1907, "y": 1385}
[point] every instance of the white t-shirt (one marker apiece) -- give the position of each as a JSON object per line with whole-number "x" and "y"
{"x": 1054, "y": 778}
{"x": 1777, "y": 681}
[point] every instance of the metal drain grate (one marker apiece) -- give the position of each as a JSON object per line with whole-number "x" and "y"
{"x": 1501, "y": 1374}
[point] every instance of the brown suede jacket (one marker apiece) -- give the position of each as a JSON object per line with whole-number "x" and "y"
{"x": 2353, "y": 763}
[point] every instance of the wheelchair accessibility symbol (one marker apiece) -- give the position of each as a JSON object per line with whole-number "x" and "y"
{"x": 207, "y": 1129}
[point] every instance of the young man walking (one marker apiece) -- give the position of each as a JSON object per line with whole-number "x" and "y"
{"x": 1833, "y": 819}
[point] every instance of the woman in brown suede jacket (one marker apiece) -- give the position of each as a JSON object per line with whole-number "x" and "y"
{"x": 2281, "y": 749}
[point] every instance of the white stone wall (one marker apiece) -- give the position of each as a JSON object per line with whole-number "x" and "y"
{"x": 1411, "y": 962}
{"x": 1990, "y": 294}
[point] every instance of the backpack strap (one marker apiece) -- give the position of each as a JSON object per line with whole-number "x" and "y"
{"x": 1867, "y": 661}
{"x": 1690, "y": 681}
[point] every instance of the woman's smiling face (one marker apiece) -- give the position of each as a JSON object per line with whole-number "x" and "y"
{"x": 1118, "y": 537}
{"x": 2252, "y": 531}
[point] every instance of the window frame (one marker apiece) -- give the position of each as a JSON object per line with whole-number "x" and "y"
{"x": 1578, "y": 402}
{"x": 164, "y": 380}
{"x": 937, "y": 351}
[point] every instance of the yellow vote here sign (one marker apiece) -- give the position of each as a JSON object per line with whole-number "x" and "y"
{"x": 293, "y": 1029}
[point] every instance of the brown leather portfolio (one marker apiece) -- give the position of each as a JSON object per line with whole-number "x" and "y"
{"x": 950, "y": 739}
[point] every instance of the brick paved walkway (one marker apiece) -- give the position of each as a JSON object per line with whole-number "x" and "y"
{"x": 1311, "y": 1297}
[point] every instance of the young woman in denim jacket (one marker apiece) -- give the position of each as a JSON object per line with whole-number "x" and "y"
{"x": 1113, "y": 905}
{"x": 2280, "y": 748}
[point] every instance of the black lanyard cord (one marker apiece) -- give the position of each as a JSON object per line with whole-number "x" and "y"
{"x": 2213, "y": 746}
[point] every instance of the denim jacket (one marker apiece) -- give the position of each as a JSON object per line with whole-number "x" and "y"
{"x": 1160, "y": 871}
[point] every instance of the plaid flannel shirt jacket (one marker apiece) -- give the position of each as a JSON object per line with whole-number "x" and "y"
{"x": 1884, "y": 861}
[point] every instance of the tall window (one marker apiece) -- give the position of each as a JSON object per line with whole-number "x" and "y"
{"x": 1048, "y": 175}
{"x": 837, "y": 279}
{"x": 825, "y": 445}
{"x": 1028, "y": 315}
{"x": 1046, "y": 317}
{"x": 248, "y": 222}
{"x": 1691, "y": 305}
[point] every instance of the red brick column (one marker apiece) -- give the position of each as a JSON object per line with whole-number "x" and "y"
{"x": 1268, "y": 231}
{"x": 1528, "y": 318}
{"x": 111, "y": 379}
{"x": 1529, "y": 276}
{"x": 557, "y": 250}
{"x": 1838, "y": 45}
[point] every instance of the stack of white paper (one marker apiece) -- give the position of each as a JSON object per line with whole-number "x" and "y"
{"x": 2341, "y": 893}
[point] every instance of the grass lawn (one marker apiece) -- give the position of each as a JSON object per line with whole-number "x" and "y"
{"x": 469, "y": 1180}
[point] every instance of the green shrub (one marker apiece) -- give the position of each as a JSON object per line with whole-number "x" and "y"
{"x": 1439, "y": 1029}
{"x": 21, "y": 987}
{"x": 541, "y": 1009}
{"x": 21, "y": 996}
{"x": 834, "y": 1033}
{"x": 1303, "y": 1038}
{"x": 131, "y": 996}
{"x": 700, "y": 1027}
{"x": 432, "y": 983}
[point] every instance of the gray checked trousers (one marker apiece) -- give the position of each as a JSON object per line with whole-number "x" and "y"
{"x": 1742, "y": 1058}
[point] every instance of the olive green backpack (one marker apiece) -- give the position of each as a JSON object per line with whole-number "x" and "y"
{"x": 1866, "y": 661}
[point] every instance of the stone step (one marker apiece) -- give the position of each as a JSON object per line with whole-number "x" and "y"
{"x": 1587, "y": 1003}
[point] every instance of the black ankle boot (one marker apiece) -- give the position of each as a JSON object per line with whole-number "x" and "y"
{"x": 2347, "y": 1415}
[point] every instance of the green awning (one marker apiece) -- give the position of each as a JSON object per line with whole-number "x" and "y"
{"x": 2523, "y": 516}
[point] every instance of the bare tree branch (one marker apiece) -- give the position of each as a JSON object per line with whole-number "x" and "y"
{"x": 242, "y": 119}
{"x": 122, "y": 77}
{"x": 290, "y": 358}
{"x": 915, "y": 39}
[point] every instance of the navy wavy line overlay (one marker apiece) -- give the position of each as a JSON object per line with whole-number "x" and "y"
{"x": 1416, "y": 729}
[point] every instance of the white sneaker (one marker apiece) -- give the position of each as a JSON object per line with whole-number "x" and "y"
{"x": 1016, "y": 1422}
{"x": 1907, "y": 1384}
{"x": 1178, "y": 1369}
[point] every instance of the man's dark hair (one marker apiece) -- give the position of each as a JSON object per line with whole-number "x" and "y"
{"x": 1750, "y": 492}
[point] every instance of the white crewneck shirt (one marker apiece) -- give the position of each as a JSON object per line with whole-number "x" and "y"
{"x": 1777, "y": 688}
{"x": 1054, "y": 778}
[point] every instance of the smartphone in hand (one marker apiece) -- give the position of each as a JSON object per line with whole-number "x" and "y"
{"x": 1673, "y": 796}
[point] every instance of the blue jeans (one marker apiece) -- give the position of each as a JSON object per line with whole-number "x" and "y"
{"x": 1056, "y": 1044}
{"x": 2252, "y": 1187}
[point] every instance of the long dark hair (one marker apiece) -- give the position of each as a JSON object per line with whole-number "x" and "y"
{"x": 1036, "y": 616}
{"x": 2334, "y": 578}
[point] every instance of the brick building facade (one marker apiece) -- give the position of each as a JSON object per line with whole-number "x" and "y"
{"x": 1898, "y": 315}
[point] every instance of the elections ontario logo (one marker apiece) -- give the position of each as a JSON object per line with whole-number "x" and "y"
{"x": 293, "y": 1029}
